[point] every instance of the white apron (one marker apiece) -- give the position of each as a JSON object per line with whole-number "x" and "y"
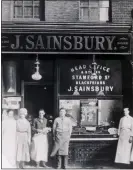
{"x": 9, "y": 141}
{"x": 39, "y": 148}
{"x": 5, "y": 163}
{"x": 123, "y": 153}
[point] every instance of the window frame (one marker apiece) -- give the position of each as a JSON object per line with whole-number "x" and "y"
{"x": 41, "y": 13}
{"x": 85, "y": 20}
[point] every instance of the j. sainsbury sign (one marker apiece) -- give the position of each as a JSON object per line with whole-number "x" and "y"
{"x": 44, "y": 42}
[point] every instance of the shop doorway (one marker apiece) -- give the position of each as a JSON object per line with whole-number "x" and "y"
{"x": 37, "y": 97}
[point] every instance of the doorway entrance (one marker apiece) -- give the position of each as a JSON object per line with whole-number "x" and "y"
{"x": 37, "y": 97}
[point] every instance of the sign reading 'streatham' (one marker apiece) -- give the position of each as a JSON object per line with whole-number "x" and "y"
{"x": 98, "y": 43}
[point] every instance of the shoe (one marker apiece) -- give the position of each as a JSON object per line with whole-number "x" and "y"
{"x": 37, "y": 164}
{"x": 65, "y": 161}
{"x": 44, "y": 165}
{"x": 59, "y": 161}
{"x": 22, "y": 165}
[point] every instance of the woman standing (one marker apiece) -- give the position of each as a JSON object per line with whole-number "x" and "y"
{"x": 9, "y": 140}
{"x": 4, "y": 115}
{"x": 23, "y": 138}
{"x": 125, "y": 132}
{"x": 39, "y": 149}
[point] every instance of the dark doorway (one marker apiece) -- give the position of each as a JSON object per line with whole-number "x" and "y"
{"x": 39, "y": 97}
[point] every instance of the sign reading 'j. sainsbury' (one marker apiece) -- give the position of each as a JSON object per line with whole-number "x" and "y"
{"x": 44, "y": 42}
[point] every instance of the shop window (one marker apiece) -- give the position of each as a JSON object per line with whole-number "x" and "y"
{"x": 95, "y": 10}
{"x": 93, "y": 112}
{"x": 77, "y": 78}
{"x": 26, "y": 9}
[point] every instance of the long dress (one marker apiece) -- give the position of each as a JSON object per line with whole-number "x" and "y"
{"x": 23, "y": 140}
{"x": 9, "y": 142}
{"x": 125, "y": 131}
{"x": 6, "y": 163}
{"x": 39, "y": 147}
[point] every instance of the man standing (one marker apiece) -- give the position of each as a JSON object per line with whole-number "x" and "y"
{"x": 125, "y": 133}
{"x": 62, "y": 129}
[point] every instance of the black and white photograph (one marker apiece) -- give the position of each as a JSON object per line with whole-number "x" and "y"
{"x": 66, "y": 84}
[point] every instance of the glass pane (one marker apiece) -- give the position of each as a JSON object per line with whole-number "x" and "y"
{"x": 18, "y": 2}
{"x": 85, "y": 13}
{"x": 93, "y": 14}
{"x": 36, "y": 11}
{"x": 36, "y": 2}
{"x": 28, "y": 3}
{"x": 104, "y": 15}
{"x": 104, "y": 3}
{"x": 73, "y": 109}
{"x": 28, "y": 12}
{"x": 84, "y": 3}
{"x": 110, "y": 110}
{"x": 18, "y": 12}
{"x": 93, "y": 3}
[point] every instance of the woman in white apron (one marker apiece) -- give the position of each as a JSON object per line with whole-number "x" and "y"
{"x": 39, "y": 147}
{"x": 125, "y": 132}
{"x": 9, "y": 140}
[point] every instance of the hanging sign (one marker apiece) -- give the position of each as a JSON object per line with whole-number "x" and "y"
{"x": 53, "y": 42}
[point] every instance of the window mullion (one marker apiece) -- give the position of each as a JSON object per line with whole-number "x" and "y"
{"x": 33, "y": 8}
{"x": 23, "y": 7}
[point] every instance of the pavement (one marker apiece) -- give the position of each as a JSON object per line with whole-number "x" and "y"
{"x": 74, "y": 168}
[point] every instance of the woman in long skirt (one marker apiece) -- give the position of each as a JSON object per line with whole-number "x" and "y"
{"x": 23, "y": 138}
{"x": 9, "y": 140}
{"x": 39, "y": 147}
{"x": 125, "y": 132}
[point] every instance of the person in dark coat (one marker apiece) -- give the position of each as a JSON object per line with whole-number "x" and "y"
{"x": 62, "y": 129}
{"x": 39, "y": 147}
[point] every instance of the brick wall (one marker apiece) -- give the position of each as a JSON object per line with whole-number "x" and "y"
{"x": 61, "y": 11}
{"x": 121, "y": 11}
{"x": 68, "y": 10}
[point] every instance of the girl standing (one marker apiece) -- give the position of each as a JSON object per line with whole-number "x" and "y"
{"x": 23, "y": 138}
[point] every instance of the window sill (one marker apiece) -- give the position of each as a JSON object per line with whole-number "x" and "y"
{"x": 26, "y": 19}
{"x": 94, "y": 22}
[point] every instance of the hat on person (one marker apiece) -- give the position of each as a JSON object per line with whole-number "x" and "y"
{"x": 126, "y": 108}
{"x": 23, "y": 111}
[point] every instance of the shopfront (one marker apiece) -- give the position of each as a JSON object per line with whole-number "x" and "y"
{"x": 87, "y": 73}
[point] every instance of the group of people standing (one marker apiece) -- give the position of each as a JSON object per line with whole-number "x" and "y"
{"x": 19, "y": 146}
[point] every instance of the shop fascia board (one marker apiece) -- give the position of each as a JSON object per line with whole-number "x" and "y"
{"x": 61, "y": 27}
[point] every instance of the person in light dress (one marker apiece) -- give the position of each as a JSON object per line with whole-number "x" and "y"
{"x": 39, "y": 146}
{"x": 4, "y": 114}
{"x": 9, "y": 140}
{"x": 125, "y": 133}
{"x": 23, "y": 139}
